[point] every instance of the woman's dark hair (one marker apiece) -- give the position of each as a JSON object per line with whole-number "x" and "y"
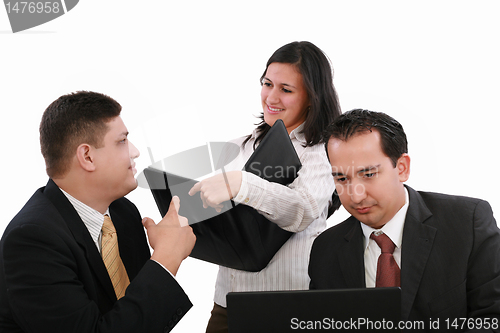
{"x": 317, "y": 74}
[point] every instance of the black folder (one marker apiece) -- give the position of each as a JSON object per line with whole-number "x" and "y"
{"x": 237, "y": 237}
{"x": 275, "y": 159}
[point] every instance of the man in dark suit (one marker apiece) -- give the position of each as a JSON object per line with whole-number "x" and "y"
{"x": 447, "y": 248}
{"x": 52, "y": 275}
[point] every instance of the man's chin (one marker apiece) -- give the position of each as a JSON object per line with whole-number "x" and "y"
{"x": 363, "y": 218}
{"x": 131, "y": 186}
{"x": 371, "y": 222}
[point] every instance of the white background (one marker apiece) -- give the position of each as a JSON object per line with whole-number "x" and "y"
{"x": 188, "y": 72}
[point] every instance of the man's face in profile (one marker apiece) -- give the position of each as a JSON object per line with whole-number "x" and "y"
{"x": 115, "y": 166}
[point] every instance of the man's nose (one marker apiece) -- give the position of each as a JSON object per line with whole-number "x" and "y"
{"x": 133, "y": 151}
{"x": 358, "y": 192}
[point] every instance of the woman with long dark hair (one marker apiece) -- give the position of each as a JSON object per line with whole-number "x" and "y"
{"x": 297, "y": 87}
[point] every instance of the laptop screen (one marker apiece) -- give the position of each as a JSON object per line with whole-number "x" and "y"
{"x": 359, "y": 310}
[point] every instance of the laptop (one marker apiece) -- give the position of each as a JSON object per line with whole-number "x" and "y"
{"x": 345, "y": 310}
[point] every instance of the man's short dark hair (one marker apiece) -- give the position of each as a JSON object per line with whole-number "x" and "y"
{"x": 393, "y": 137}
{"x": 71, "y": 120}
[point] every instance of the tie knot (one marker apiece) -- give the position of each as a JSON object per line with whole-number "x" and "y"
{"x": 384, "y": 242}
{"x": 107, "y": 226}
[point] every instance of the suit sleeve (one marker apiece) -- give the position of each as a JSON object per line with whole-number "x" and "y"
{"x": 46, "y": 293}
{"x": 320, "y": 261}
{"x": 312, "y": 267}
{"x": 483, "y": 277}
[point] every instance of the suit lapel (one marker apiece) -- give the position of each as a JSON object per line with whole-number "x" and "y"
{"x": 351, "y": 257}
{"x": 418, "y": 239}
{"x": 81, "y": 235}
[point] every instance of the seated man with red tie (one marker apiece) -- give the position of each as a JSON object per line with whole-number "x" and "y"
{"x": 443, "y": 251}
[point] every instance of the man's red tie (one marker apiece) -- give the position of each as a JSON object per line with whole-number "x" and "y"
{"x": 388, "y": 272}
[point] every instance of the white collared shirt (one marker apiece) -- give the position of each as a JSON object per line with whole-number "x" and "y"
{"x": 92, "y": 219}
{"x": 394, "y": 230}
{"x": 300, "y": 207}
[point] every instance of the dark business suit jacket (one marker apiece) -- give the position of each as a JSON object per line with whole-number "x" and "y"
{"x": 450, "y": 258}
{"x": 52, "y": 277}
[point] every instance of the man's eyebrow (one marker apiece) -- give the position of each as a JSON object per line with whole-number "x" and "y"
{"x": 336, "y": 174}
{"x": 369, "y": 168}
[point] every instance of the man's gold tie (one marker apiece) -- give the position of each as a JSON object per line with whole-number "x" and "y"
{"x": 111, "y": 257}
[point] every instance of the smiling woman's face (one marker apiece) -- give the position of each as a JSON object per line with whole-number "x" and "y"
{"x": 284, "y": 96}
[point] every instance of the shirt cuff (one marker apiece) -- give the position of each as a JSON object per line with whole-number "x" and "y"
{"x": 252, "y": 190}
{"x": 242, "y": 195}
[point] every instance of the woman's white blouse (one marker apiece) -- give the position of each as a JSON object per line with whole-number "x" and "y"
{"x": 301, "y": 207}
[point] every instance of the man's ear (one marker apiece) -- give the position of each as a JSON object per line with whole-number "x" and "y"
{"x": 403, "y": 166}
{"x": 85, "y": 157}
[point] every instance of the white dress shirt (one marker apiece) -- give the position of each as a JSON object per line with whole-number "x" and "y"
{"x": 92, "y": 219}
{"x": 394, "y": 230}
{"x": 300, "y": 207}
